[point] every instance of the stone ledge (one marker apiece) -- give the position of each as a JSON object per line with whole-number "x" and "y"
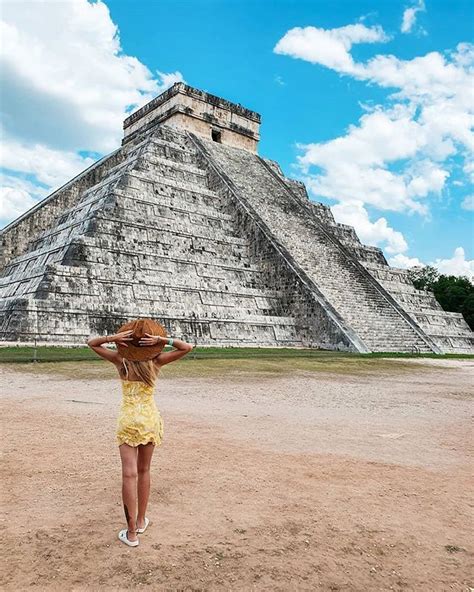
{"x": 180, "y": 87}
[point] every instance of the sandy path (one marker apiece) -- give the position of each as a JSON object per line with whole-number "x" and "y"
{"x": 307, "y": 482}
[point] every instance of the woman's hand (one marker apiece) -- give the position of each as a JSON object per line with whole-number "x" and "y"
{"x": 152, "y": 339}
{"x": 122, "y": 338}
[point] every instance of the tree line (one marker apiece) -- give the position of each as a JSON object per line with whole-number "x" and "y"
{"x": 454, "y": 293}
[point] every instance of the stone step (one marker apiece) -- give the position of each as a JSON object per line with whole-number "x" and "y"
{"x": 154, "y": 167}
{"x": 163, "y": 132}
{"x": 404, "y": 333}
{"x": 377, "y": 335}
{"x": 450, "y": 327}
{"x": 147, "y": 259}
{"x": 391, "y": 338}
{"x": 233, "y": 259}
{"x": 407, "y": 350}
{"x": 200, "y": 312}
{"x": 387, "y": 340}
{"x": 388, "y": 345}
{"x": 174, "y": 206}
{"x": 266, "y": 297}
{"x": 260, "y": 293}
{"x": 166, "y": 227}
{"x": 163, "y": 231}
{"x": 94, "y": 201}
{"x": 138, "y": 160}
{"x": 169, "y": 134}
{"x": 161, "y": 149}
{"x": 151, "y": 160}
{"x": 160, "y": 142}
{"x": 137, "y": 177}
{"x": 210, "y": 331}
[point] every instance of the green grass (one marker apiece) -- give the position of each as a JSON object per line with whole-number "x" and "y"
{"x": 20, "y": 353}
{"x": 45, "y": 354}
{"x": 235, "y": 363}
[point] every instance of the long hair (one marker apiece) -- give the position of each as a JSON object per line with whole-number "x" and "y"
{"x": 146, "y": 370}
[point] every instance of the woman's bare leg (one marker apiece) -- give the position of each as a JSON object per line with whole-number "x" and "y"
{"x": 128, "y": 454}
{"x": 145, "y": 453}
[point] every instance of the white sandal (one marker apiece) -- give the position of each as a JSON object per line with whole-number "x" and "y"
{"x": 140, "y": 530}
{"x": 124, "y": 538}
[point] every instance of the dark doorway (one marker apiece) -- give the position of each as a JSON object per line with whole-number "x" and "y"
{"x": 216, "y": 136}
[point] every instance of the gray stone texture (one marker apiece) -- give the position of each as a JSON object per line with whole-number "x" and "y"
{"x": 214, "y": 242}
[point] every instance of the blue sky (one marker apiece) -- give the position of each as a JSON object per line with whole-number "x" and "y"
{"x": 334, "y": 83}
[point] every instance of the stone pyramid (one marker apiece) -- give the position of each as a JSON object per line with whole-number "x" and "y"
{"x": 187, "y": 224}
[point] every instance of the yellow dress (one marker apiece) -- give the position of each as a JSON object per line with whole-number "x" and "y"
{"x": 139, "y": 420}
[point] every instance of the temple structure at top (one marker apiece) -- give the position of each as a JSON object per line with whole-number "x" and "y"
{"x": 188, "y": 108}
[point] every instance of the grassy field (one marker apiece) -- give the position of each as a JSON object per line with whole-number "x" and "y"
{"x": 76, "y": 354}
{"x": 211, "y": 362}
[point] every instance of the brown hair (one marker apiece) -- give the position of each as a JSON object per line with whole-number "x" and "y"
{"x": 146, "y": 370}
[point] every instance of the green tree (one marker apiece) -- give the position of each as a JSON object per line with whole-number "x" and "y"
{"x": 467, "y": 310}
{"x": 455, "y": 294}
{"x": 423, "y": 277}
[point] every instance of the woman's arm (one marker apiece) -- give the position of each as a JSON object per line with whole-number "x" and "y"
{"x": 182, "y": 348}
{"x": 95, "y": 343}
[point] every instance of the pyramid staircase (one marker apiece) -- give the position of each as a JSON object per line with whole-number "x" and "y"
{"x": 448, "y": 330}
{"x": 365, "y": 311}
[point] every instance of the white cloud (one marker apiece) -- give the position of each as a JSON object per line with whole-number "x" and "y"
{"x": 469, "y": 170}
{"x": 355, "y": 165}
{"x": 71, "y": 70}
{"x": 404, "y": 262}
{"x": 66, "y": 86}
{"x": 51, "y": 167}
{"x": 13, "y": 202}
{"x": 17, "y": 195}
{"x": 468, "y": 202}
{"x": 370, "y": 233}
{"x": 400, "y": 153}
{"x": 409, "y": 16}
{"x": 167, "y": 80}
{"x": 328, "y": 47}
{"x": 457, "y": 265}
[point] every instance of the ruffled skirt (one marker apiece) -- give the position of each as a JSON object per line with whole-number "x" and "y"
{"x": 139, "y": 422}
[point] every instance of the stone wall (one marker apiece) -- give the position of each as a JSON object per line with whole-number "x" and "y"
{"x": 150, "y": 240}
{"x": 448, "y": 330}
{"x": 202, "y": 113}
{"x": 15, "y": 238}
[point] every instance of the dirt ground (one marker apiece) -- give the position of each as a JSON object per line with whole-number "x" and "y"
{"x": 303, "y": 481}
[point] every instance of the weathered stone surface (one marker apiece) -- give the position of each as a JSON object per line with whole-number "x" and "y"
{"x": 188, "y": 108}
{"x": 214, "y": 242}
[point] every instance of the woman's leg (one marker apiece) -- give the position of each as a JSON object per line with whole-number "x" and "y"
{"x": 145, "y": 453}
{"x": 128, "y": 454}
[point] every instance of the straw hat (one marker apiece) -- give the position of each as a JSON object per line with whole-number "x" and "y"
{"x": 137, "y": 352}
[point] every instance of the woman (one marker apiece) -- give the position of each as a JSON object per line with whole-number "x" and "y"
{"x": 139, "y": 425}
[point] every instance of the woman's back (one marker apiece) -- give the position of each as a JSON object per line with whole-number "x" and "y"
{"x": 145, "y": 372}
